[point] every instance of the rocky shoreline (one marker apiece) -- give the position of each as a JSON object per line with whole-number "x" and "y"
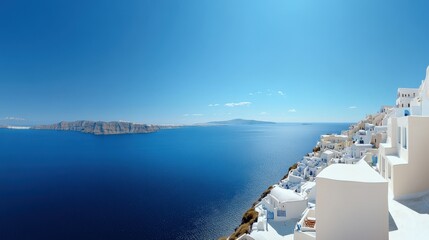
{"x": 251, "y": 215}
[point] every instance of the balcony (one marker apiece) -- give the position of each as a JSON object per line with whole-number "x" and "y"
{"x": 306, "y": 227}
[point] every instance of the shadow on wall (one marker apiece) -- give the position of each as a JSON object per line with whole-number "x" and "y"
{"x": 418, "y": 204}
{"x": 392, "y": 224}
{"x": 284, "y": 228}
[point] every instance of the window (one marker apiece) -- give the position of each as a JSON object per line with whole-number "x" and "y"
{"x": 406, "y": 113}
{"x": 399, "y": 135}
{"x": 404, "y": 143}
{"x": 281, "y": 213}
{"x": 408, "y": 105}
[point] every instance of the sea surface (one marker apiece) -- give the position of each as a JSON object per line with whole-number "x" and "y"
{"x": 184, "y": 183}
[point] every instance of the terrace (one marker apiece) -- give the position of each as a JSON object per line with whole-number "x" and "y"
{"x": 409, "y": 217}
{"x": 306, "y": 227}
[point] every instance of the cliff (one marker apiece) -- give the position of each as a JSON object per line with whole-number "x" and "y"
{"x": 101, "y": 128}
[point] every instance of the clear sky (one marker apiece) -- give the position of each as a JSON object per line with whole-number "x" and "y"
{"x": 185, "y": 61}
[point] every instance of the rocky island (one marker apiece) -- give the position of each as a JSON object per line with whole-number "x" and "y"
{"x": 102, "y": 128}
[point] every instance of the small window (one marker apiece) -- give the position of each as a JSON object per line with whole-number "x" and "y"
{"x": 406, "y": 113}
{"x": 399, "y": 135}
{"x": 404, "y": 143}
{"x": 408, "y": 105}
{"x": 281, "y": 213}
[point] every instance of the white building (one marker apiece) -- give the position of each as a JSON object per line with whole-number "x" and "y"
{"x": 379, "y": 136}
{"x": 404, "y": 97}
{"x": 351, "y": 204}
{"x": 307, "y": 169}
{"x": 306, "y": 227}
{"x": 403, "y": 160}
{"x": 363, "y": 136}
{"x": 293, "y": 181}
{"x": 385, "y": 109}
{"x": 308, "y": 190}
{"x": 357, "y": 151}
{"x": 284, "y": 204}
{"x": 333, "y": 141}
{"x": 328, "y": 155}
{"x": 390, "y": 113}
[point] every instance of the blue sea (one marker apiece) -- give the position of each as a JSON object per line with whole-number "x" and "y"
{"x": 184, "y": 183}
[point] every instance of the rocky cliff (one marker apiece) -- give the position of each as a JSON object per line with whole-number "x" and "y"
{"x": 101, "y": 128}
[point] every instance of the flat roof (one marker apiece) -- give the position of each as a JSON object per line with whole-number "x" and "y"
{"x": 359, "y": 172}
{"x": 285, "y": 195}
{"x": 334, "y": 135}
{"x": 281, "y": 230}
{"x": 328, "y": 152}
{"x": 395, "y": 160}
{"x": 308, "y": 185}
{"x": 363, "y": 144}
{"x": 408, "y": 89}
{"x": 409, "y": 217}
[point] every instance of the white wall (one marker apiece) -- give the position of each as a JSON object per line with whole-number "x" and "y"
{"x": 295, "y": 209}
{"x": 403, "y": 101}
{"x": 414, "y": 176}
{"x": 358, "y": 150}
{"x": 351, "y": 210}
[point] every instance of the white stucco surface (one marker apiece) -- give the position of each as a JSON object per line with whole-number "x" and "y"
{"x": 351, "y": 203}
{"x": 276, "y": 231}
{"x": 409, "y": 219}
{"x": 359, "y": 172}
{"x": 285, "y": 195}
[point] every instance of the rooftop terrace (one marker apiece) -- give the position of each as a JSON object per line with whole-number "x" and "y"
{"x": 409, "y": 219}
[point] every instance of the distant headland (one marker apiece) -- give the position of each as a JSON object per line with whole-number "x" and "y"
{"x": 239, "y": 121}
{"x": 120, "y": 127}
{"x": 103, "y": 128}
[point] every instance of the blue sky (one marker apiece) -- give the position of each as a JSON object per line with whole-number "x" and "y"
{"x": 185, "y": 61}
